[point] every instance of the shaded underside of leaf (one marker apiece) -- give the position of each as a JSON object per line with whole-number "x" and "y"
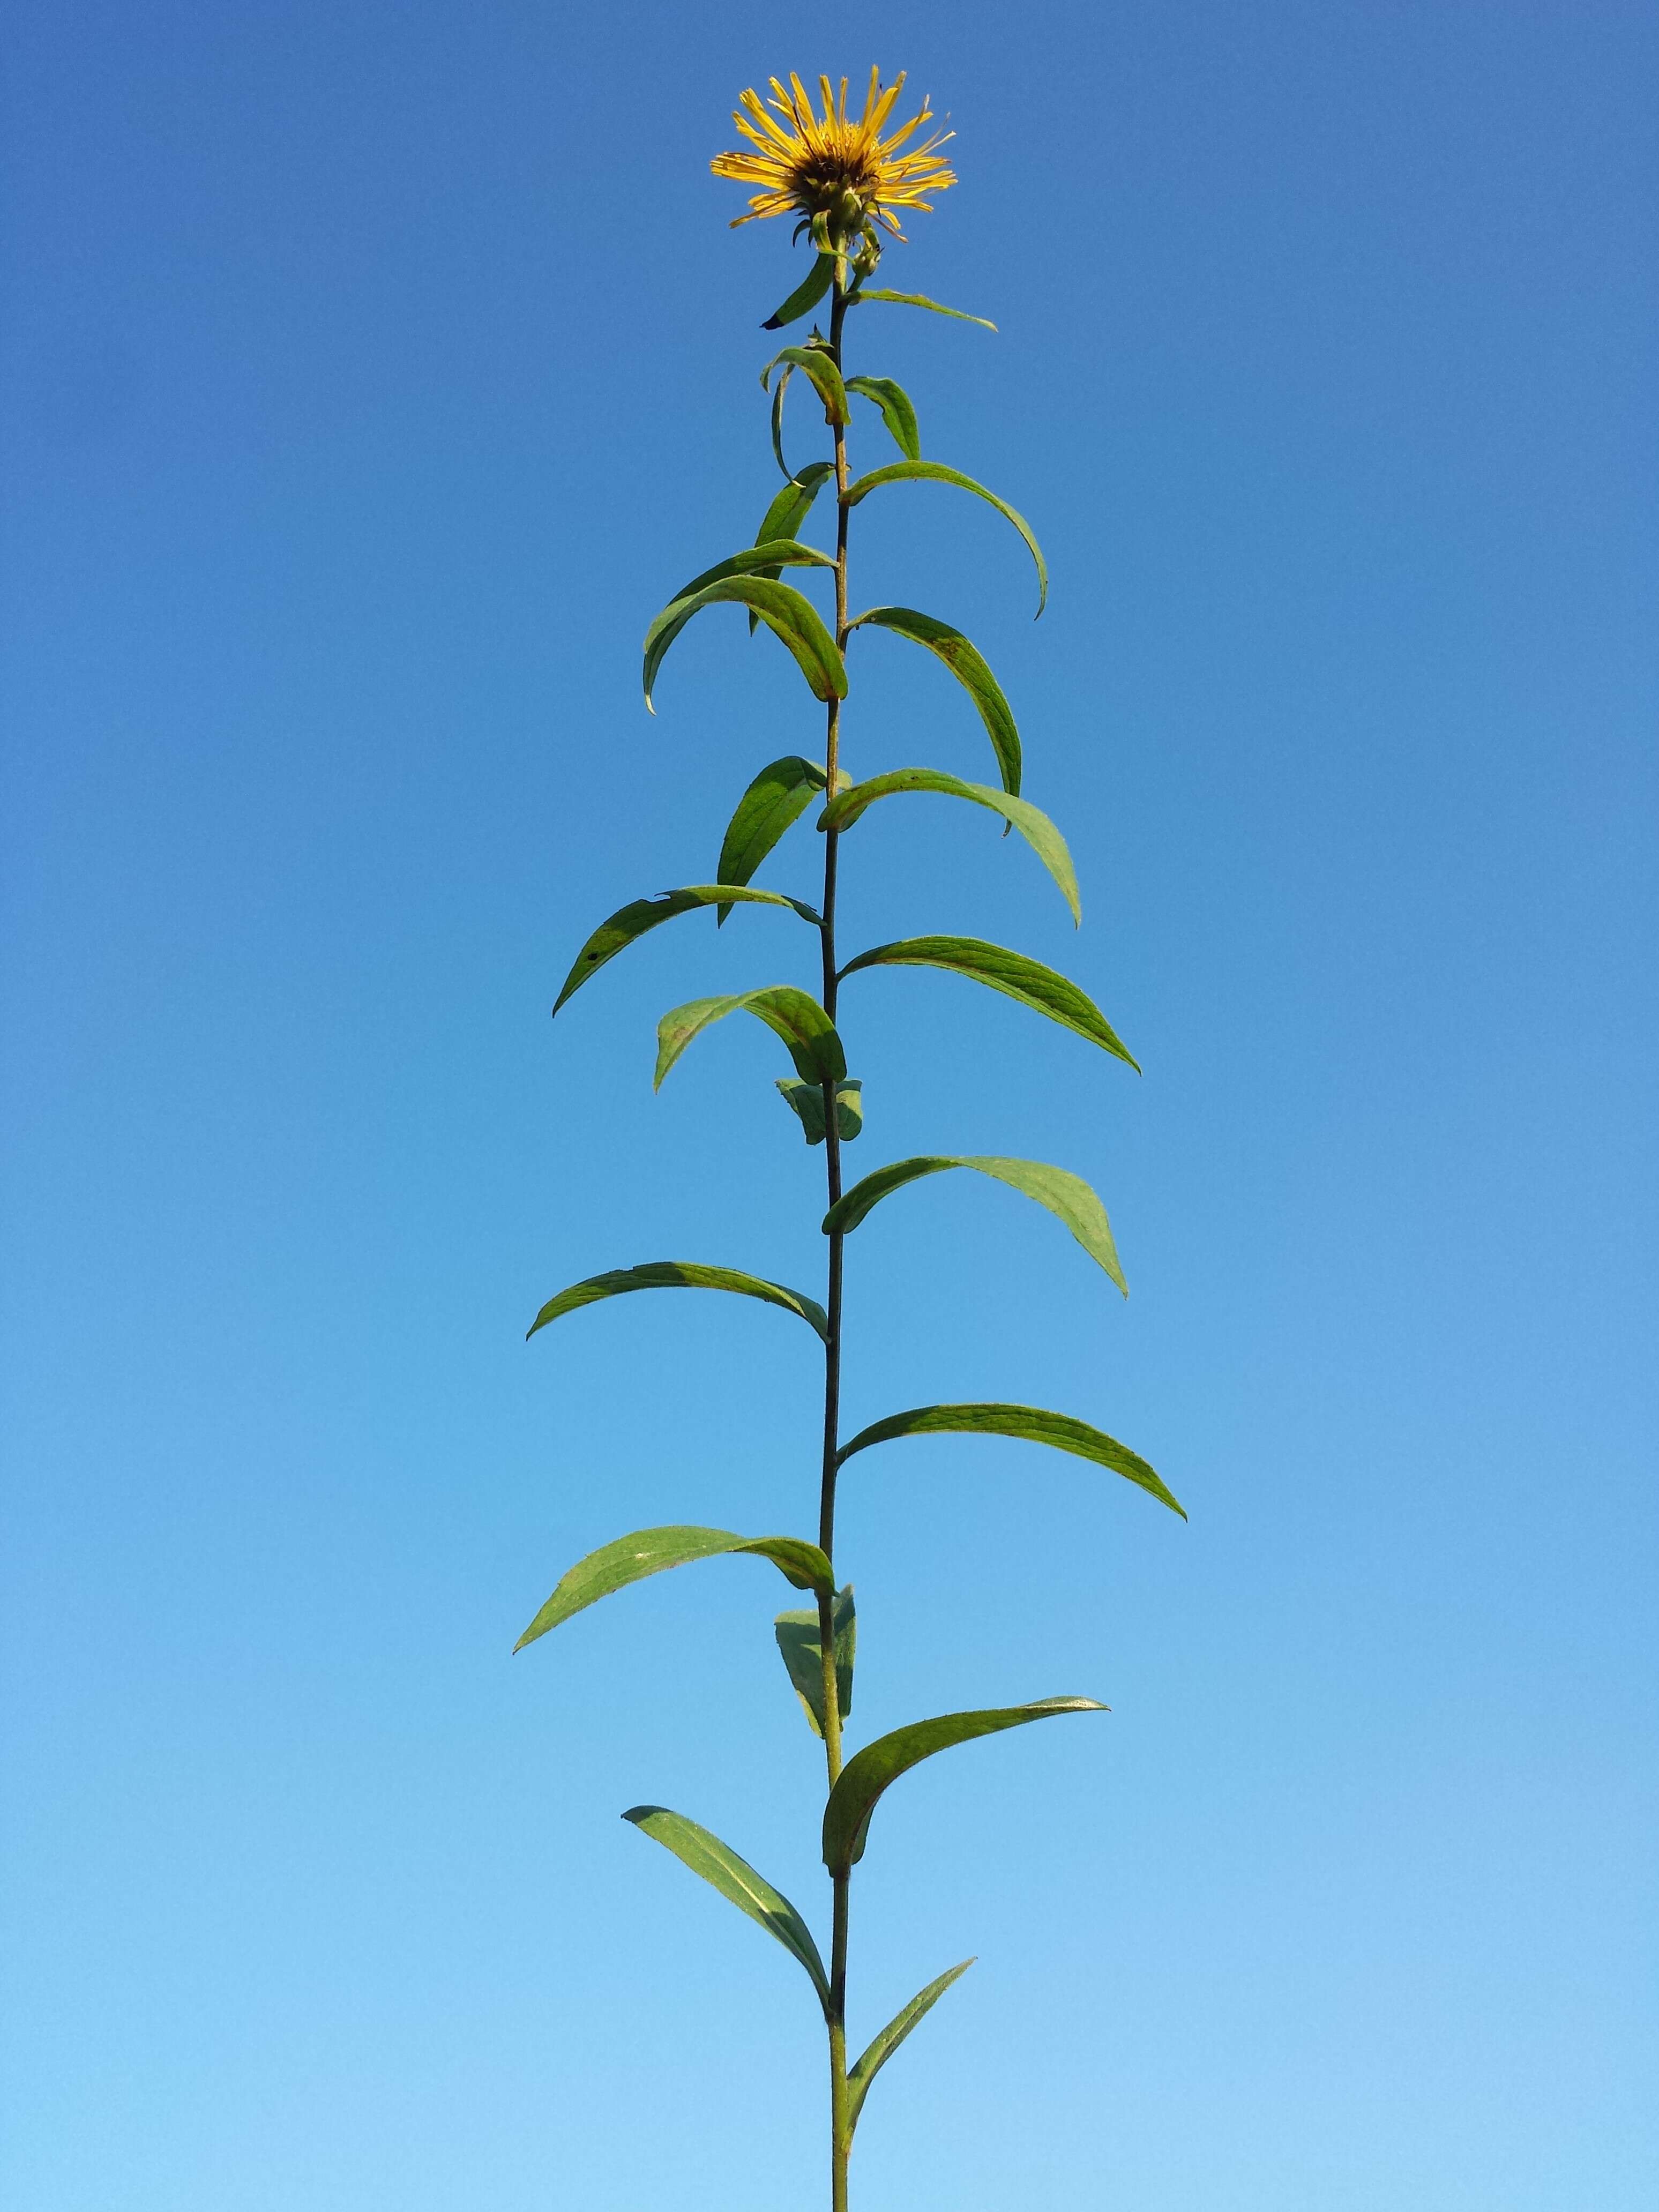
{"x": 1032, "y": 824}
{"x": 786, "y": 612}
{"x": 804, "y": 295}
{"x": 1066, "y": 1196}
{"x": 799, "y": 1640}
{"x": 791, "y": 1014}
{"x": 872, "y": 1770}
{"x": 1030, "y": 1424}
{"x": 631, "y": 921}
{"x": 883, "y": 2046}
{"x": 795, "y": 502}
{"x": 806, "y": 1102}
{"x": 920, "y": 471}
{"x": 651, "y": 1550}
{"x": 680, "y": 1275}
{"x": 1012, "y": 973}
{"x": 736, "y": 1881}
{"x": 967, "y": 664}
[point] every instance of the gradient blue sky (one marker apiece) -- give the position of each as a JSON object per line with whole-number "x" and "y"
{"x": 372, "y": 373}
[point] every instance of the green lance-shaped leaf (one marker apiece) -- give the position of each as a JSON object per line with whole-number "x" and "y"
{"x": 870, "y": 1772}
{"x": 804, "y": 295}
{"x": 916, "y": 299}
{"x": 801, "y": 1645}
{"x": 1066, "y": 1196}
{"x": 1012, "y": 973}
{"x": 806, "y": 1102}
{"x": 1032, "y": 824}
{"x": 936, "y": 472}
{"x": 813, "y": 361}
{"x": 632, "y": 922}
{"x": 784, "y": 610}
{"x": 736, "y": 1880}
{"x": 765, "y": 557}
{"x": 884, "y": 2045}
{"x": 1031, "y": 1424}
{"x": 966, "y": 663}
{"x": 777, "y": 797}
{"x": 680, "y": 1275}
{"x": 650, "y": 1551}
{"x": 794, "y": 1015}
{"x": 784, "y": 516}
{"x": 896, "y": 411}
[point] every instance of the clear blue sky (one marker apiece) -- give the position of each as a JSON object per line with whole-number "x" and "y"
{"x": 372, "y": 375}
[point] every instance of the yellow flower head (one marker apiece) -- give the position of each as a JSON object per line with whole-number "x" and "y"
{"x": 833, "y": 167}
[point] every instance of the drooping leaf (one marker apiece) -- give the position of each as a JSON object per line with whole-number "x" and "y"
{"x": 632, "y": 922}
{"x": 936, "y": 472}
{"x": 736, "y": 1880}
{"x": 680, "y": 1275}
{"x": 650, "y": 1551}
{"x": 766, "y": 557}
{"x": 801, "y": 1645}
{"x": 870, "y": 1772}
{"x": 779, "y": 796}
{"x": 806, "y": 1102}
{"x": 896, "y": 411}
{"x": 967, "y": 664}
{"x": 804, "y": 295}
{"x": 785, "y": 611}
{"x": 793, "y": 1014}
{"x": 815, "y": 362}
{"x": 1038, "y": 831}
{"x": 777, "y": 391}
{"x": 1066, "y": 1196}
{"x": 1013, "y": 973}
{"x": 883, "y": 2047}
{"x": 1032, "y": 1423}
{"x": 915, "y": 300}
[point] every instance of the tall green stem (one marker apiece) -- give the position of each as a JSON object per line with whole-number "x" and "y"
{"x": 840, "y": 2132}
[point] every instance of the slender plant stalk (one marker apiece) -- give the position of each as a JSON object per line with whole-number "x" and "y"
{"x": 843, "y": 205}
{"x": 841, "y": 2141}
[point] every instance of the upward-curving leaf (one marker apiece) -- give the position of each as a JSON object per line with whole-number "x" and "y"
{"x": 1031, "y": 1424}
{"x": 1011, "y": 973}
{"x": 883, "y": 2046}
{"x": 896, "y": 411}
{"x": 804, "y": 295}
{"x": 793, "y": 1014}
{"x": 919, "y": 471}
{"x": 777, "y": 797}
{"x": 631, "y": 921}
{"x": 738, "y": 1882}
{"x": 680, "y": 1275}
{"x": 1066, "y": 1196}
{"x": 819, "y": 365}
{"x": 916, "y": 299}
{"x": 784, "y": 516}
{"x": 1032, "y": 824}
{"x": 649, "y": 1551}
{"x": 785, "y": 611}
{"x": 966, "y": 663}
{"x": 874, "y": 1769}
